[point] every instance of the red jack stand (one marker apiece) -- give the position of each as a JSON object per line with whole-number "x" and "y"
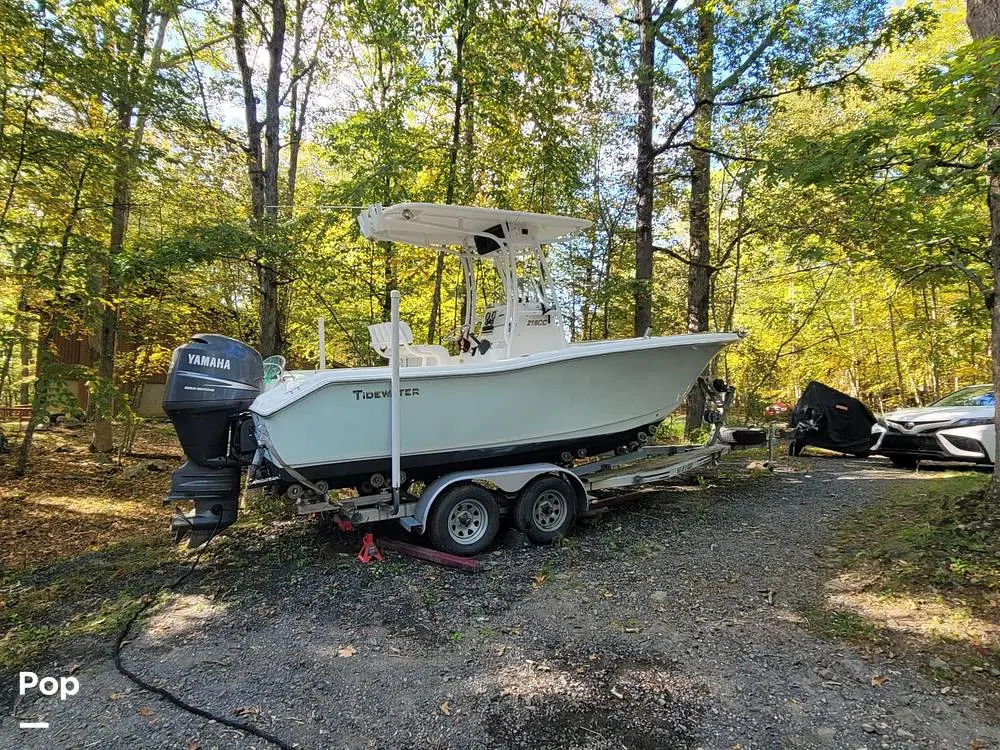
{"x": 369, "y": 551}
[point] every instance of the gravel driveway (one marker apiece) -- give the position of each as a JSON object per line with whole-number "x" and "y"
{"x": 672, "y": 621}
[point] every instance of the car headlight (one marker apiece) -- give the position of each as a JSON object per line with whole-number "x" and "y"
{"x": 972, "y": 422}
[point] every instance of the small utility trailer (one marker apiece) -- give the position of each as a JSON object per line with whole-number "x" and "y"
{"x": 462, "y": 511}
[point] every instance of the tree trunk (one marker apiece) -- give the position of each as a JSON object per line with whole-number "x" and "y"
{"x": 7, "y": 359}
{"x": 983, "y": 18}
{"x": 644, "y": 175}
{"x": 900, "y": 387}
{"x": 23, "y": 394}
{"x": 263, "y": 167}
{"x": 272, "y": 323}
{"x": 458, "y": 74}
{"x": 129, "y": 139}
{"x": 296, "y": 123}
{"x": 48, "y": 328}
{"x": 699, "y": 269}
{"x": 107, "y": 341}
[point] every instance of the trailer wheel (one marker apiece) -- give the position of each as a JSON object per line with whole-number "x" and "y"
{"x": 465, "y": 520}
{"x": 546, "y": 509}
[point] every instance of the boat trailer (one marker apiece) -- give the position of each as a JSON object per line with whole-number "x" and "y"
{"x": 545, "y": 499}
{"x": 648, "y": 465}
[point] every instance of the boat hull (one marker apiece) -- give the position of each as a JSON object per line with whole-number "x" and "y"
{"x": 334, "y": 424}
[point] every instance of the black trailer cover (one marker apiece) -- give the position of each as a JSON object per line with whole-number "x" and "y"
{"x": 827, "y": 418}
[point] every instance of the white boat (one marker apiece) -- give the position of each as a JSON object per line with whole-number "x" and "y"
{"x": 334, "y": 424}
{"x": 529, "y": 396}
{"x": 515, "y": 391}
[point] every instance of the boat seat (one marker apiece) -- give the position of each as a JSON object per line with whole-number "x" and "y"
{"x": 427, "y": 354}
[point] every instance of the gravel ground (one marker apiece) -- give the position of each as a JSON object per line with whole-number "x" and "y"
{"x": 672, "y": 621}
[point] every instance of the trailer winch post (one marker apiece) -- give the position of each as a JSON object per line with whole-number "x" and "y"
{"x": 394, "y": 398}
{"x": 321, "y": 323}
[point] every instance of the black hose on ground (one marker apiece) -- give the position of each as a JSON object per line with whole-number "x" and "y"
{"x": 166, "y": 694}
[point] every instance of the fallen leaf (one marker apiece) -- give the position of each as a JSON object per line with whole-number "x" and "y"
{"x": 115, "y": 696}
{"x": 346, "y": 651}
{"x": 499, "y": 649}
{"x": 878, "y": 680}
{"x": 193, "y": 745}
{"x": 72, "y": 668}
{"x": 445, "y": 710}
{"x": 145, "y": 711}
{"x": 247, "y": 711}
{"x": 592, "y": 657}
{"x": 977, "y": 744}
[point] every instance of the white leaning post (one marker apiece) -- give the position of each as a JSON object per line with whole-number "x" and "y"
{"x": 322, "y": 342}
{"x": 394, "y": 395}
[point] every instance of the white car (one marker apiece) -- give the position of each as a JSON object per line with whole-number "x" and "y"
{"x": 958, "y": 427}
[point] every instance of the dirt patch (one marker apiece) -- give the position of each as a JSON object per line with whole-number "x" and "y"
{"x": 72, "y": 501}
{"x": 81, "y": 537}
{"x": 598, "y": 697}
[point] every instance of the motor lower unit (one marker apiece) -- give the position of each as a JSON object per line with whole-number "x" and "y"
{"x": 212, "y": 381}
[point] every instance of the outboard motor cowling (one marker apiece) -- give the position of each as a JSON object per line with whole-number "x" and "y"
{"x": 212, "y": 380}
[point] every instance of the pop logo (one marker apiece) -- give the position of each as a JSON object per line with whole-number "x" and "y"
{"x": 64, "y": 687}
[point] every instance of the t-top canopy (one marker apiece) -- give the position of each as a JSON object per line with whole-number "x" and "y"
{"x": 435, "y": 225}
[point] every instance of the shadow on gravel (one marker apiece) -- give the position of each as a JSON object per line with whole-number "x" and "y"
{"x": 606, "y": 695}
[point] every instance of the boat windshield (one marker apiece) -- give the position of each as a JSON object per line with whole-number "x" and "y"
{"x": 274, "y": 368}
{"x": 974, "y": 395}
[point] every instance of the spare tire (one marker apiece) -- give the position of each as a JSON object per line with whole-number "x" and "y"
{"x": 743, "y": 435}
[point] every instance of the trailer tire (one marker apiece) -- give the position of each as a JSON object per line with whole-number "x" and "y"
{"x": 546, "y": 509}
{"x": 465, "y": 520}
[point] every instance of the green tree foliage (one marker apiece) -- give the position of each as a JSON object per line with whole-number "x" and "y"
{"x": 882, "y": 182}
{"x": 847, "y": 229}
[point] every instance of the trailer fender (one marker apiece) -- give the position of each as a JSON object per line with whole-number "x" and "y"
{"x": 510, "y": 479}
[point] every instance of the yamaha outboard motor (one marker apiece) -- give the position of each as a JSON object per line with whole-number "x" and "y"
{"x": 212, "y": 381}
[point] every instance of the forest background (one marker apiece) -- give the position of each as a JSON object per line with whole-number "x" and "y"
{"x": 814, "y": 171}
